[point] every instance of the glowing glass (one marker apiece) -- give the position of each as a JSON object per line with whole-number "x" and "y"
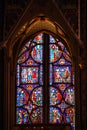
{"x": 30, "y": 83}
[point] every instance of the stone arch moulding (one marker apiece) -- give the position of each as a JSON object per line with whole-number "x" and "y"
{"x": 37, "y": 17}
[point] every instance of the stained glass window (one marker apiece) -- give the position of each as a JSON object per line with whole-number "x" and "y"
{"x": 32, "y": 89}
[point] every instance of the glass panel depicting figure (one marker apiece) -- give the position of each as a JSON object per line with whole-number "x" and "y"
{"x": 54, "y": 53}
{"x": 29, "y": 75}
{"x": 55, "y": 115}
{"x": 37, "y": 53}
{"x": 62, "y": 74}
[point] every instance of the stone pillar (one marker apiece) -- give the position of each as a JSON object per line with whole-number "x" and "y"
{"x": 1, "y": 64}
{"x": 1, "y": 87}
{"x": 83, "y": 37}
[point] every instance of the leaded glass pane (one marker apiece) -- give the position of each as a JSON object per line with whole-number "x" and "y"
{"x": 62, "y": 87}
{"x": 29, "y": 106}
{"x": 51, "y": 74}
{"x": 55, "y": 53}
{"x": 55, "y": 96}
{"x": 29, "y": 62}
{"x": 62, "y": 61}
{"x": 22, "y": 96}
{"x": 62, "y": 74}
{"x": 41, "y": 75}
{"x": 55, "y": 115}
{"x": 52, "y": 40}
{"x": 23, "y": 57}
{"x": 69, "y": 117}
{"x": 36, "y": 116}
{"x": 38, "y": 38}
{"x": 18, "y": 76}
{"x": 37, "y": 53}
{"x": 29, "y": 74}
{"x": 69, "y": 95}
{"x": 63, "y": 106}
{"x": 36, "y": 96}
{"x": 21, "y": 116}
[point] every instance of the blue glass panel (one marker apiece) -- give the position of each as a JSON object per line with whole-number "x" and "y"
{"x": 51, "y": 74}
{"x": 21, "y": 116}
{"x": 18, "y": 76}
{"x": 36, "y": 96}
{"x": 37, "y": 53}
{"x": 41, "y": 75}
{"x": 55, "y": 115}
{"x": 55, "y": 53}
{"x": 62, "y": 106}
{"x": 22, "y": 97}
{"x": 52, "y": 40}
{"x": 55, "y": 96}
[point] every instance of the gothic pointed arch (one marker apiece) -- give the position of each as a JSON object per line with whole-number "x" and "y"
{"x": 25, "y": 54}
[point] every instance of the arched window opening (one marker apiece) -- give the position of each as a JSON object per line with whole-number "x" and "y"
{"x": 45, "y": 83}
